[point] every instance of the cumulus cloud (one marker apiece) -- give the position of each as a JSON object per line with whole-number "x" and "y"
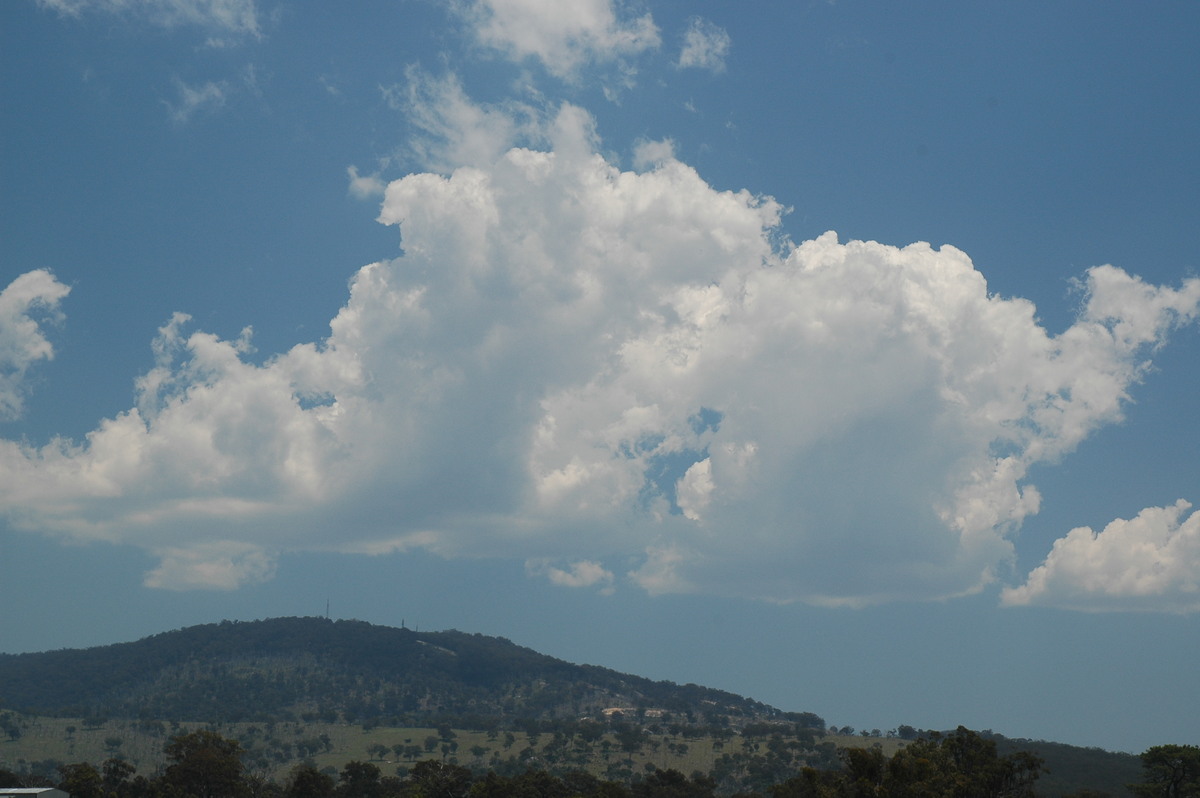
{"x": 705, "y": 46}
{"x": 584, "y": 573}
{"x": 628, "y": 371}
{"x": 661, "y": 571}
{"x": 562, "y": 35}
{"x": 211, "y": 565}
{"x": 228, "y": 16}
{"x": 1150, "y": 562}
{"x": 453, "y": 131}
{"x": 649, "y": 154}
{"x": 26, "y": 305}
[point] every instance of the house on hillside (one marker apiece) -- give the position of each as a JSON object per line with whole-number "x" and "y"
{"x": 32, "y": 792}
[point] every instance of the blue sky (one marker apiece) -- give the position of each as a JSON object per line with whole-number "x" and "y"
{"x": 842, "y": 355}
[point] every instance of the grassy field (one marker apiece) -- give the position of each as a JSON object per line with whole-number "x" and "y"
{"x": 274, "y": 749}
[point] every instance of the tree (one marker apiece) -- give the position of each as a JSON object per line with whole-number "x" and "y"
{"x": 1172, "y": 771}
{"x": 204, "y": 765}
{"x": 960, "y": 765}
{"x": 307, "y": 782}
{"x": 81, "y": 780}
{"x": 864, "y": 770}
{"x": 359, "y": 780}
{"x": 670, "y": 783}
{"x": 116, "y": 774}
{"x": 433, "y": 779}
{"x": 630, "y": 738}
{"x": 811, "y": 783}
{"x": 530, "y": 784}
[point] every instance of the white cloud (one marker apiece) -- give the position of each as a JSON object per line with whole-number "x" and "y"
{"x": 573, "y": 363}
{"x": 694, "y": 490}
{"x": 27, "y": 303}
{"x": 562, "y": 34}
{"x": 1151, "y": 562}
{"x": 584, "y": 573}
{"x": 364, "y": 186}
{"x": 661, "y": 572}
{"x": 195, "y": 98}
{"x": 330, "y": 86}
{"x": 705, "y": 46}
{"x": 454, "y": 131}
{"x": 649, "y": 154}
{"x": 216, "y": 565}
{"x": 229, "y": 16}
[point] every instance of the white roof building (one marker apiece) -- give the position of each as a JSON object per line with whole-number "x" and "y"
{"x": 32, "y": 792}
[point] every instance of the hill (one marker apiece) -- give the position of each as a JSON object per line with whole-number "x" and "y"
{"x": 287, "y": 669}
{"x": 328, "y": 692}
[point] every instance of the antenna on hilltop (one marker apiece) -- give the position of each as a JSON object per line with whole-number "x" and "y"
{"x": 327, "y": 609}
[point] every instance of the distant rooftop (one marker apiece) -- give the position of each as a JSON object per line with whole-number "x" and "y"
{"x": 28, "y": 792}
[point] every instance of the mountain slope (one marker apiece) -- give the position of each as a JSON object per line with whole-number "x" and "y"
{"x": 287, "y": 668}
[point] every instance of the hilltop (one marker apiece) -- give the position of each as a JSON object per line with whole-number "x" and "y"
{"x": 288, "y": 669}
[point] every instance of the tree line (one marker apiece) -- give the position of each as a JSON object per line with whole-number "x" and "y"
{"x": 960, "y": 764}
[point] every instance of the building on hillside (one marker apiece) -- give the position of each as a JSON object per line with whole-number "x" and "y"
{"x": 32, "y": 792}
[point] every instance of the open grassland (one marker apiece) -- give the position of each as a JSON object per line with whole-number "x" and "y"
{"x": 273, "y": 749}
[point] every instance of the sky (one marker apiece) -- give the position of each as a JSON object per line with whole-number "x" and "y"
{"x": 842, "y": 355}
